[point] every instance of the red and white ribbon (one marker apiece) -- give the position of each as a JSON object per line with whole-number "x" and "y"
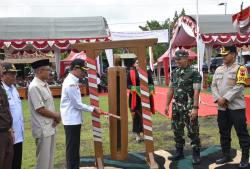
{"x": 94, "y": 99}
{"x": 146, "y": 113}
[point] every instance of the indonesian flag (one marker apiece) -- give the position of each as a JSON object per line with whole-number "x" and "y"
{"x": 151, "y": 58}
{"x": 241, "y": 20}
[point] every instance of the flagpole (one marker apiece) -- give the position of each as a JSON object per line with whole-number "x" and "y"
{"x": 198, "y": 32}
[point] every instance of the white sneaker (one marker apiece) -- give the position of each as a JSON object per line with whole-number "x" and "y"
{"x": 137, "y": 138}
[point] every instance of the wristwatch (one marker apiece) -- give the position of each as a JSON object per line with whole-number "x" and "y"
{"x": 195, "y": 107}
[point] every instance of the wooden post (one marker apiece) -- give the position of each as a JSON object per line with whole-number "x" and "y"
{"x": 118, "y": 129}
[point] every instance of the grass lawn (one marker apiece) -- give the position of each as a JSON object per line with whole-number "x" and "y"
{"x": 163, "y": 136}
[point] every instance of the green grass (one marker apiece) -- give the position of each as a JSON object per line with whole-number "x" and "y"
{"x": 163, "y": 136}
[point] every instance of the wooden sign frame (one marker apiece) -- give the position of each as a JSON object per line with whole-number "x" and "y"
{"x": 138, "y": 47}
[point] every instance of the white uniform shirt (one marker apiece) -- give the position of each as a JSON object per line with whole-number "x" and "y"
{"x": 71, "y": 106}
{"x": 15, "y": 104}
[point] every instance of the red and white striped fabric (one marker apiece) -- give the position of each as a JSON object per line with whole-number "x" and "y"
{"x": 94, "y": 99}
{"x": 241, "y": 21}
{"x": 146, "y": 113}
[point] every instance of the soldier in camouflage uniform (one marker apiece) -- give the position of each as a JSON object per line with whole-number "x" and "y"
{"x": 184, "y": 88}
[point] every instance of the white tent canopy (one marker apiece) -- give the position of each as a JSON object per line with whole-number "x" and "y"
{"x": 52, "y": 28}
{"x": 43, "y": 33}
{"x": 214, "y": 30}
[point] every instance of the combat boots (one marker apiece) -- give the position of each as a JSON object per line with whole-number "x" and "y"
{"x": 244, "y": 162}
{"x": 178, "y": 155}
{"x": 196, "y": 156}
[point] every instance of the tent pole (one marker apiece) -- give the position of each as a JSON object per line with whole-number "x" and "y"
{"x": 198, "y": 32}
{"x": 57, "y": 53}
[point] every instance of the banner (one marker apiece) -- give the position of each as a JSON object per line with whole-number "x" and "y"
{"x": 162, "y": 35}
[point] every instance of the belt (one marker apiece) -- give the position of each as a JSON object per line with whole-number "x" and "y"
{"x": 4, "y": 130}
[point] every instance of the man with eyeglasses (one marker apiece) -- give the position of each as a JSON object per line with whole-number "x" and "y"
{"x": 71, "y": 109}
{"x": 15, "y": 105}
{"x": 44, "y": 117}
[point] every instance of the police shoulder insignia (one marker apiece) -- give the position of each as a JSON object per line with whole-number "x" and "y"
{"x": 242, "y": 75}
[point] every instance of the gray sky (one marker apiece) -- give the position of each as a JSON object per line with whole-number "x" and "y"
{"x": 122, "y": 15}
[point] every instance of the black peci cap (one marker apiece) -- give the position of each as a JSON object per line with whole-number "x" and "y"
{"x": 78, "y": 63}
{"x": 39, "y": 63}
{"x": 225, "y": 50}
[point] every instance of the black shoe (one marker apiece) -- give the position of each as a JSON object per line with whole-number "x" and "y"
{"x": 178, "y": 156}
{"x": 244, "y": 162}
{"x": 224, "y": 159}
{"x": 196, "y": 156}
{"x": 196, "y": 160}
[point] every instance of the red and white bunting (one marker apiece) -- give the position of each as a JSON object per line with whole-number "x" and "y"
{"x": 63, "y": 44}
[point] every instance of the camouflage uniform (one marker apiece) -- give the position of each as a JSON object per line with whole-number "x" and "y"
{"x": 184, "y": 81}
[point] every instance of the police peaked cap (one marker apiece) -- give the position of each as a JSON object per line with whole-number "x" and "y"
{"x": 78, "y": 63}
{"x": 9, "y": 67}
{"x": 225, "y": 50}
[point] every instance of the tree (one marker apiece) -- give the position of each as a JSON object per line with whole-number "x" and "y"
{"x": 159, "y": 49}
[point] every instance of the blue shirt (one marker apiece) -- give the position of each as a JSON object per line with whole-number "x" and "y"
{"x": 71, "y": 106}
{"x": 15, "y": 104}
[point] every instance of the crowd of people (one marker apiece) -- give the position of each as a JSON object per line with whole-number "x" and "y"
{"x": 184, "y": 89}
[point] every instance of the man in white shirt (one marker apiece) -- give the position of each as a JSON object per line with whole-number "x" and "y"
{"x": 15, "y": 105}
{"x": 71, "y": 109}
{"x": 43, "y": 115}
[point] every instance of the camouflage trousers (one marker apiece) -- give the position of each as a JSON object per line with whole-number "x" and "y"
{"x": 180, "y": 119}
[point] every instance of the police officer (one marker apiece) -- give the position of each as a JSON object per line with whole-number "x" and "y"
{"x": 227, "y": 88}
{"x": 6, "y": 131}
{"x": 71, "y": 108}
{"x": 15, "y": 104}
{"x": 43, "y": 116}
{"x": 184, "y": 88}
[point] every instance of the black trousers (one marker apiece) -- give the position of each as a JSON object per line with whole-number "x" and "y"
{"x": 72, "y": 133}
{"x": 137, "y": 122}
{"x": 227, "y": 119}
{"x": 17, "y": 159}
{"x": 6, "y": 150}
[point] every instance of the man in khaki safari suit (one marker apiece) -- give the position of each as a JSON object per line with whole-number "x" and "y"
{"x": 43, "y": 116}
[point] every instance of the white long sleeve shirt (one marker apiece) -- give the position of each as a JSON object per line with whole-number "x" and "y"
{"x": 71, "y": 106}
{"x": 15, "y": 105}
